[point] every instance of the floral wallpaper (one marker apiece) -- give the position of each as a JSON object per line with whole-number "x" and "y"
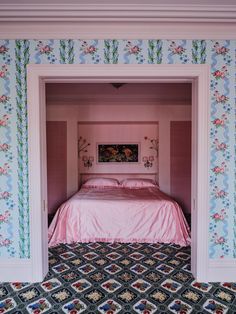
{"x": 16, "y": 54}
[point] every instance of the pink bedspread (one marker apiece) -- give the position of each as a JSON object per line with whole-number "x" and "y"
{"x": 119, "y": 215}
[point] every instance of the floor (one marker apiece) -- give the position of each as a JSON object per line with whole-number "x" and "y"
{"x": 118, "y": 278}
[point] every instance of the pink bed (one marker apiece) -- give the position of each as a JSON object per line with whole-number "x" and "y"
{"x": 118, "y": 214}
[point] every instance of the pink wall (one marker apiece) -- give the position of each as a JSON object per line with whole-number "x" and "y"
{"x": 118, "y": 132}
{"x": 56, "y": 164}
{"x": 114, "y": 112}
{"x": 180, "y": 163}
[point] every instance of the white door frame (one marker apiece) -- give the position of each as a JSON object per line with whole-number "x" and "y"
{"x": 38, "y": 75}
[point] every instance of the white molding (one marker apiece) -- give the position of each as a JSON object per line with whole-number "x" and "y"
{"x": 222, "y": 269}
{"x": 120, "y": 21}
{"x": 37, "y": 195}
{"x": 116, "y": 30}
{"x": 196, "y": 74}
{"x": 200, "y": 170}
{"x": 117, "y": 13}
{"x": 15, "y": 270}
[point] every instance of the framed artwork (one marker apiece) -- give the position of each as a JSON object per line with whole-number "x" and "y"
{"x": 118, "y": 153}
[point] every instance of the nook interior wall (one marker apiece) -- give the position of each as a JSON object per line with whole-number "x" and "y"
{"x": 123, "y": 122}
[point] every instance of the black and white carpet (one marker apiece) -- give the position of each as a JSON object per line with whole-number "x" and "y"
{"x": 118, "y": 278}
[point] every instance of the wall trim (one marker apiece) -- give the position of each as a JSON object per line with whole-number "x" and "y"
{"x": 15, "y": 270}
{"x": 116, "y": 30}
{"x": 222, "y": 269}
{"x": 125, "y": 21}
{"x": 39, "y": 74}
{"x": 117, "y": 12}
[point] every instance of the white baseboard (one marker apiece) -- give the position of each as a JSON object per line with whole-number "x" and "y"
{"x": 222, "y": 270}
{"x": 17, "y": 270}
{"x": 21, "y": 270}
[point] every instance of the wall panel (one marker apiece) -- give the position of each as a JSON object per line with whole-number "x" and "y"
{"x": 56, "y": 164}
{"x": 180, "y": 163}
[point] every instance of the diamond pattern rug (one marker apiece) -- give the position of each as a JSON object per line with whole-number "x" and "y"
{"x": 118, "y": 278}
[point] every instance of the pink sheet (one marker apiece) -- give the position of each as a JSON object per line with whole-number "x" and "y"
{"x": 119, "y": 215}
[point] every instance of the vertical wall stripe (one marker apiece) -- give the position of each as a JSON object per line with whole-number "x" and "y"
{"x": 111, "y": 51}
{"x": 67, "y": 51}
{"x": 199, "y": 51}
{"x": 7, "y": 205}
{"x": 155, "y": 51}
{"x": 22, "y": 59}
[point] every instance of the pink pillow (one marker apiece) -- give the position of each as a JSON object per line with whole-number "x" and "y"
{"x": 138, "y": 183}
{"x": 101, "y": 182}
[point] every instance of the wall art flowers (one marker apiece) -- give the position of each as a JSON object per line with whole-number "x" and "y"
{"x": 118, "y": 153}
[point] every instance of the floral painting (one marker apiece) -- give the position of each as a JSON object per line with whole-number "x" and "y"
{"x": 118, "y": 152}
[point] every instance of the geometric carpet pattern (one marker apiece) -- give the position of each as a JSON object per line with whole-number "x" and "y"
{"x": 118, "y": 278}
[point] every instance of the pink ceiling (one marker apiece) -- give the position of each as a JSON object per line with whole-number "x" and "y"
{"x": 133, "y": 92}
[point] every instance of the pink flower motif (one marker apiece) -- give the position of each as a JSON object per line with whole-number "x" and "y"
{"x": 179, "y": 50}
{"x": 44, "y": 49}
{"x": 220, "y": 240}
{"x": 3, "y": 71}
{"x": 218, "y": 74}
{"x": 220, "y": 98}
{"x": 133, "y": 49}
{"x": 218, "y": 169}
{"x": 47, "y": 49}
{"x": 4, "y": 217}
{"x": 4, "y": 195}
{"x": 218, "y": 122}
{"x": 4, "y": 99}
{"x": 216, "y": 216}
{"x": 220, "y": 50}
{"x": 4, "y": 120}
{"x": 223, "y": 50}
{"x": 91, "y": 49}
{"x": 219, "y": 193}
{"x": 3, "y": 49}
{"x": 4, "y": 147}
{"x": 4, "y": 242}
{"x": 222, "y": 146}
{"x": 219, "y": 216}
{"x": 219, "y": 146}
{"x": 4, "y": 169}
{"x": 88, "y": 49}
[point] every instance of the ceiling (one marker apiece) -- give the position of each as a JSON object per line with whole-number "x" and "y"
{"x": 105, "y": 93}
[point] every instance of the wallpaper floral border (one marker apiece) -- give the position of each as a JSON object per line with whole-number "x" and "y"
{"x": 16, "y": 54}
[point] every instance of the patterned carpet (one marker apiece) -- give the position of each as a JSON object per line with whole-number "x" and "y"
{"x": 118, "y": 278}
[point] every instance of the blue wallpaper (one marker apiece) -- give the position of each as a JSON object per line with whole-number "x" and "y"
{"x": 16, "y": 54}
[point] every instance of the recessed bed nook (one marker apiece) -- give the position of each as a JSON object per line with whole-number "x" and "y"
{"x": 56, "y": 174}
{"x": 119, "y": 162}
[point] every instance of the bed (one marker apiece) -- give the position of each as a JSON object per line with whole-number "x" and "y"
{"x": 117, "y": 212}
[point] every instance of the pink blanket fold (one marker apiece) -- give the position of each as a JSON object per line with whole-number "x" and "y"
{"x": 119, "y": 215}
